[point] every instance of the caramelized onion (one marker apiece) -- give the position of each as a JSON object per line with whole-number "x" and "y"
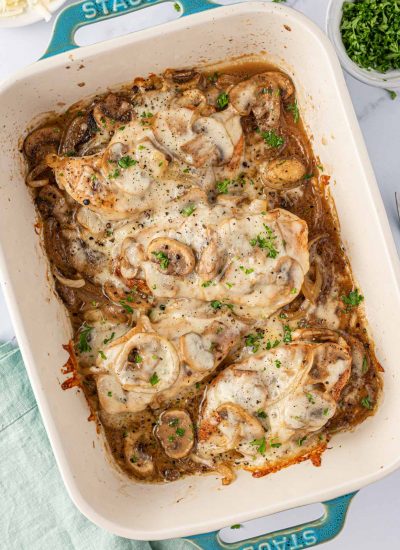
{"x": 72, "y": 283}
{"x": 311, "y": 289}
{"x": 31, "y": 178}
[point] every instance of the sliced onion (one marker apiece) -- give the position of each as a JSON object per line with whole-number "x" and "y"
{"x": 298, "y": 313}
{"x": 316, "y": 239}
{"x": 227, "y": 473}
{"x": 72, "y": 283}
{"x": 310, "y": 289}
{"x": 31, "y": 178}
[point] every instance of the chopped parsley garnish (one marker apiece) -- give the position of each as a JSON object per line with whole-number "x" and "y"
{"x": 326, "y": 411}
{"x": 310, "y": 398}
{"x": 121, "y": 128}
{"x": 392, "y": 94}
{"x": 287, "y": 334}
{"x": 108, "y": 340}
{"x": 293, "y": 291}
{"x": 177, "y": 7}
{"x": 216, "y": 304}
{"x": 261, "y": 445}
{"x": 294, "y": 109}
{"x": 278, "y": 364}
{"x": 353, "y": 299}
{"x": 162, "y": 258}
{"x": 222, "y": 100}
{"x": 370, "y": 33}
{"x": 188, "y": 210}
{"x": 197, "y": 385}
{"x": 133, "y": 459}
{"x": 230, "y": 285}
{"x": 272, "y": 139}
{"x": 301, "y": 441}
{"x": 261, "y": 414}
{"x": 364, "y": 367}
{"x": 171, "y": 438}
{"x": 213, "y": 77}
{"x": 205, "y": 284}
{"x": 146, "y": 115}
{"x": 275, "y": 444}
{"x": 154, "y": 379}
{"x": 126, "y": 306}
{"x": 155, "y": 357}
{"x": 84, "y": 337}
{"x": 366, "y": 402}
{"x": 222, "y": 186}
{"x": 137, "y": 358}
{"x": 271, "y": 345}
{"x": 127, "y": 161}
{"x": 102, "y": 354}
{"x": 253, "y": 341}
{"x": 236, "y": 526}
{"x": 180, "y": 432}
{"x": 109, "y": 393}
{"x": 174, "y": 422}
{"x": 246, "y": 271}
{"x": 266, "y": 243}
{"x": 115, "y": 174}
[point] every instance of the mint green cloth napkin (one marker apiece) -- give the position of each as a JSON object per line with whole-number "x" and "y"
{"x": 35, "y": 511}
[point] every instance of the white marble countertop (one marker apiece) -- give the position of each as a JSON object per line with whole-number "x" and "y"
{"x": 373, "y": 517}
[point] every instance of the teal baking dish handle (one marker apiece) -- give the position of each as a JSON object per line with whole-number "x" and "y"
{"x": 294, "y": 538}
{"x": 77, "y": 15}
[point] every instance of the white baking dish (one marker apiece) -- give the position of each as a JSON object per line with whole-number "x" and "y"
{"x": 199, "y": 504}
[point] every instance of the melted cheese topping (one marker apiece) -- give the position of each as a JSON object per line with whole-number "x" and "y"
{"x": 291, "y": 389}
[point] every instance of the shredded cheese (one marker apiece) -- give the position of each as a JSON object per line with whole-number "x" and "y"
{"x": 11, "y": 8}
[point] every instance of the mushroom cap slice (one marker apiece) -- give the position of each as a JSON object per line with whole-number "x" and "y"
{"x": 230, "y": 428}
{"x": 171, "y": 256}
{"x": 282, "y": 173}
{"x": 175, "y": 432}
{"x": 194, "y": 352}
{"x": 137, "y": 456}
{"x": 147, "y": 363}
{"x": 42, "y": 141}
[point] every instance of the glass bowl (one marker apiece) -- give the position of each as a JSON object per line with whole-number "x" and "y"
{"x": 389, "y": 80}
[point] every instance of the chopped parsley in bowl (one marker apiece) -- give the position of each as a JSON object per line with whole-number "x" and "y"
{"x": 366, "y": 34}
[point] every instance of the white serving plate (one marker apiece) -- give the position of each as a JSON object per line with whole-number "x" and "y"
{"x": 199, "y": 504}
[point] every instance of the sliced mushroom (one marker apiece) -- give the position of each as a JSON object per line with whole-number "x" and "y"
{"x": 211, "y": 261}
{"x": 175, "y": 432}
{"x": 115, "y": 107}
{"x": 282, "y": 173}
{"x": 41, "y": 142}
{"x": 198, "y": 141}
{"x": 185, "y": 78}
{"x": 51, "y": 202}
{"x": 143, "y": 361}
{"x": 191, "y": 99}
{"x": 220, "y": 144}
{"x": 195, "y": 353}
{"x": 137, "y": 455}
{"x": 231, "y": 428}
{"x": 80, "y": 130}
{"x": 261, "y": 94}
{"x": 172, "y": 257}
